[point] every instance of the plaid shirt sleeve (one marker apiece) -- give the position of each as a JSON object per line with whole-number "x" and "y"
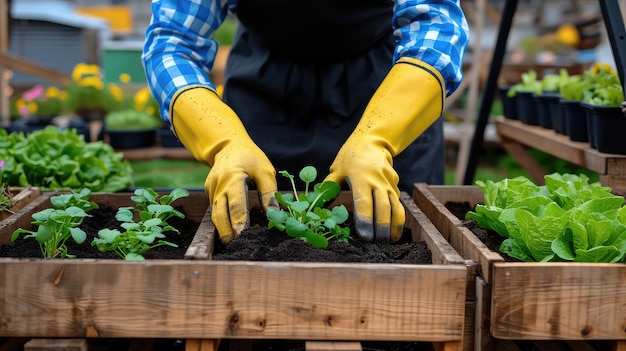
{"x": 179, "y": 49}
{"x": 435, "y": 32}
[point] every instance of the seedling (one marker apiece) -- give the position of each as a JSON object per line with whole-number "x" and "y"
{"x": 304, "y": 216}
{"x": 57, "y": 224}
{"x": 144, "y": 224}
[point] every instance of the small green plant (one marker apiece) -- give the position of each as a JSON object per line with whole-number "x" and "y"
{"x": 304, "y": 215}
{"x": 60, "y": 222}
{"x": 143, "y": 224}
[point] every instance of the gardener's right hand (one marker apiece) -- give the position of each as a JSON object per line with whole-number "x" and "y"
{"x": 215, "y": 136}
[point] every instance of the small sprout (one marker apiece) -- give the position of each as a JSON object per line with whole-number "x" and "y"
{"x": 303, "y": 215}
{"x": 60, "y": 222}
{"x": 152, "y": 212}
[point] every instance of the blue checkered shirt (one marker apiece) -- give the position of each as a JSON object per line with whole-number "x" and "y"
{"x": 180, "y": 49}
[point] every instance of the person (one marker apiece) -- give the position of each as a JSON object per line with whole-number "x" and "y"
{"x": 355, "y": 88}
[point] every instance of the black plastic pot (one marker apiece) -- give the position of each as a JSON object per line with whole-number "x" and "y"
{"x": 575, "y": 119}
{"x": 29, "y": 125}
{"x": 526, "y": 108}
{"x": 509, "y": 105}
{"x": 544, "y": 114}
{"x": 130, "y": 139}
{"x": 607, "y": 126}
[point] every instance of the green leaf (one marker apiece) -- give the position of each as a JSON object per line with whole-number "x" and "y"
{"x": 295, "y": 228}
{"x": 134, "y": 257}
{"x": 316, "y": 240}
{"x": 308, "y": 174}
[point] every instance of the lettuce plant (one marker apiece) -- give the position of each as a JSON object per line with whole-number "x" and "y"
{"x": 567, "y": 219}
{"x": 57, "y": 224}
{"x": 143, "y": 224}
{"x": 304, "y": 216}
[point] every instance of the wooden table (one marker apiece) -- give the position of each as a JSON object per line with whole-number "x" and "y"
{"x": 517, "y": 137}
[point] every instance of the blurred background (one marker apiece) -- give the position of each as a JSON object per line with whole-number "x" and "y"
{"x": 42, "y": 43}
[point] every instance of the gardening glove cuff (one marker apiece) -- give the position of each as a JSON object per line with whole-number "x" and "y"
{"x": 408, "y": 101}
{"x": 214, "y": 135}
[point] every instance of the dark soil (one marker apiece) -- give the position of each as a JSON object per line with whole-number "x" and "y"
{"x": 105, "y": 218}
{"x": 490, "y": 238}
{"x": 254, "y": 244}
{"x": 257, "y": 243}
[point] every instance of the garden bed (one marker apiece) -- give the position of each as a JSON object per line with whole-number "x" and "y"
{"x": 21, "y": 196}
{"x": 199, "y": 298}
{"x": 530, "y": 301}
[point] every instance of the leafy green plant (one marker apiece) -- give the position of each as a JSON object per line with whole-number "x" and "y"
{"x": 568, "y": 219}
{"x": 303, "y": 214}
{"x": 131, "y": 119}
{"x": 143, "y": 224}
{"x": 55, "y": 159}
{"x": 57, "y": 224}
{"x": 529, "y": 83}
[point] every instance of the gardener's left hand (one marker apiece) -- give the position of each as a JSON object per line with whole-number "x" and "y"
{"x": 367, "y": 168}
{"x": 409, "y": 100}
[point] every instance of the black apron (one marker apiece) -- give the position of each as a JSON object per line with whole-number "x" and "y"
{"x": 300, "y": 74}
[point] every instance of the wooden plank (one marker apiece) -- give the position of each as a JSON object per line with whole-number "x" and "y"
{"x": 448, "y": 346}
{"x": 482, "y": 335}
{"x": 432, "y": 199}
{"x": 207, "y": 299}
{"x": 423, "y": 230}
{"x": 332, "y": 346}
{"x": 21, "y": 197}
{"x": 566, "y": 301}
{"x": 156, "y": 152}
{"x": 22, "y": 218}
{"x": 202, "y": 344}
{"x": 33, "y": 68}
{"x": 55, "y": 344}
{"x": 543, "y": 139}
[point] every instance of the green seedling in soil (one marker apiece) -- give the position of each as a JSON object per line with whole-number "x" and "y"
{"x": 57, "y": 224}
{"x": 304, "y": 216}
{"x": 144, "y": 224}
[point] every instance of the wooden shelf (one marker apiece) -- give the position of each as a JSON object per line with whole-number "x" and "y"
{"x": 516, "y": 137}
{"x": 156, "y": 152}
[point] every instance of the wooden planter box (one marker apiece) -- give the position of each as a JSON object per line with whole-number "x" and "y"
{"x": 202, "y": 299}
{"x": 21, "y": 197}
{"x": 530, "y": 301}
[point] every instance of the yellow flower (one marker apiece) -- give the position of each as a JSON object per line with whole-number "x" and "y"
{"x": 82, "y": 69}
{"x": 20, "y": 103}
{"x": 91, "y": 81}
{"x": 116, "y": 91}
{"x": 32, "y": 107}
{"x": 52, "y": 92}
{"x": 150, "y": 110}
{"x": 141, "y": 97}
{"x": 63, "y": 95}
{"x": 125, "y": 77}
{"x": 598, "y": 66}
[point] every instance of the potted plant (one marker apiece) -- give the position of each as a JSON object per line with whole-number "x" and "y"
{"x": 88, "y": 96}
{"x": 129, "y": 129}
{"x": 601, "y": 101}
{"x": 523, "y": 93}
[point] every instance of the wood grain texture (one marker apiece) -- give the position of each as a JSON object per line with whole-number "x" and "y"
{"x": 573, "y": 301}
{"x": 203, "y": 299}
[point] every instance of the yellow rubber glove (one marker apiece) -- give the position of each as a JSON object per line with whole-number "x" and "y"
{"x": 215, "y": 136}
{"x": 408, "y": 101}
